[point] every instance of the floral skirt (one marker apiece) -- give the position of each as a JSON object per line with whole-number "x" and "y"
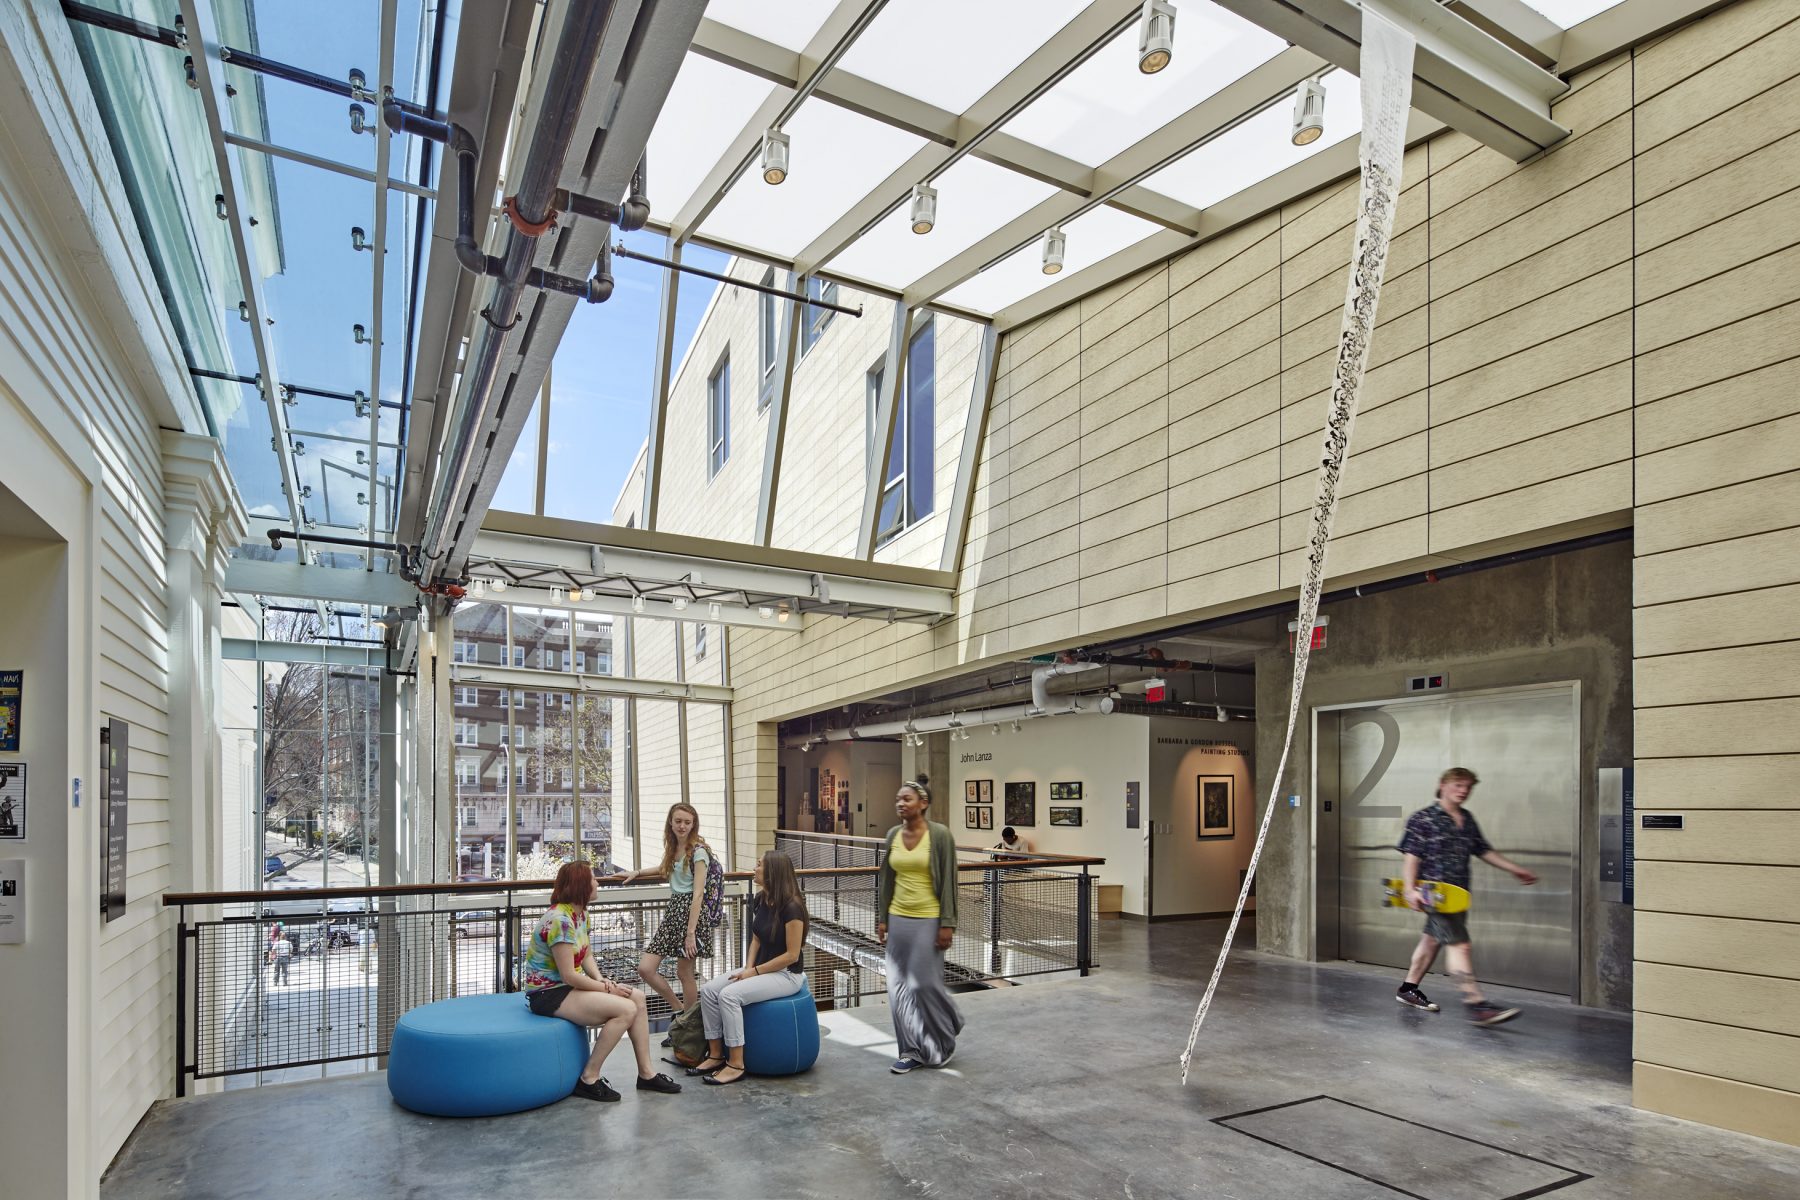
{"x": 670, "y": 938}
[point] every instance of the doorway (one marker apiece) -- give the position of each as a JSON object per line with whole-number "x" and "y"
{"x": 1376, "y": 764}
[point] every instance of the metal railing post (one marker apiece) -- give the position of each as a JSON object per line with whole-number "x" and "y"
{"x": 181, "y": 1004}
{"x": 993, "y": 919}
{"x": 1084, "y": 922}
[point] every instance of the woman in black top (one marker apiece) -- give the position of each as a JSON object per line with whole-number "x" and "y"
{"x": 777, "y": 936}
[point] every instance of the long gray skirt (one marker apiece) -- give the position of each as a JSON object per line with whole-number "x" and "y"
{"x": 926, "y": 1020}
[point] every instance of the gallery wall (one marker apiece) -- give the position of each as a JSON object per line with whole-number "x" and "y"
{"x": 1197, "y": 870}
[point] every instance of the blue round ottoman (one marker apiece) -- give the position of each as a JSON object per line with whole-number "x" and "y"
{"x": 781, "y": 1037}
{"x": 480, "y": 1056}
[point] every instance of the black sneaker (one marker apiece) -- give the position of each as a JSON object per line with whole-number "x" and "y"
{"x": 659, "y": 1083}
{"x": 598, "y": 1090}
{"x": 1486, "y": 1013}
{"x": 1410, "y": 995}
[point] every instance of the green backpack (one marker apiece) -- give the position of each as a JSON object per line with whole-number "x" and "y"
{"x": 687, "y": 1036}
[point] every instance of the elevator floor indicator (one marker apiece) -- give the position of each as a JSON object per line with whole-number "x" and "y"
{"x": 1403, "y": 1156}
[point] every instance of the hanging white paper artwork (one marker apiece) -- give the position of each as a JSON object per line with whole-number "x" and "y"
{"x": 1387, "y": 56}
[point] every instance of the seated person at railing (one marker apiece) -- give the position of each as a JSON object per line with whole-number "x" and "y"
{"x": 561, "y": 980}
{"x": 1011, "y": 839}
{"x": 777, "y": 936}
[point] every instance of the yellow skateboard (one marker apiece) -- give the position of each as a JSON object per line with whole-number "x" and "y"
{"x": 1439, "y": 897}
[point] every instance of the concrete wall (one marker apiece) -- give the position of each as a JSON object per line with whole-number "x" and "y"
{"x": 1549, "y": 619}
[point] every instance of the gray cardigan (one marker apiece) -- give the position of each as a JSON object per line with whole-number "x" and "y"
{"x": 943, "y": 874}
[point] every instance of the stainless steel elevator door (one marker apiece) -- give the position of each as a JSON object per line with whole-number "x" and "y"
{"x": 1523, "y": 746}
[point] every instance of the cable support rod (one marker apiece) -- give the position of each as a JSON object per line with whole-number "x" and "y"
{"x": 324, "y": 393}
{"x": 766, "y": 289}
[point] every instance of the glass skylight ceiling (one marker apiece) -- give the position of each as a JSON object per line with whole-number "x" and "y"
{"x": 316, "y": 287}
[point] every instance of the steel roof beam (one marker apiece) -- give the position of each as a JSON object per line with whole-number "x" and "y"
{"x": 486, "y": 674}
{"x": 324, "y": 164}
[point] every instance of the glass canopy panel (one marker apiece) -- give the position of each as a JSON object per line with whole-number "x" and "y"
{"x": 299, "y": 118}
{"x": 1091, "y": 237}
{"x": 1568, "y": 13}
{"x": 836, "y": 158}
{"x": 327, "y": 36}
{"x": 791, "y": 23}
{"x": 694, "y": 131}
{"x": 974, "y": 199}
{"x": 1106, "y": 104}
{"x": 905, "y": 48}
{"x": 1259, "y": 147}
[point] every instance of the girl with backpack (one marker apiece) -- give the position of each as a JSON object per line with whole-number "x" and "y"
{"x": 777, "y": 935}
{"x": 915, "y": 918}
{"x": 686, "y": 931}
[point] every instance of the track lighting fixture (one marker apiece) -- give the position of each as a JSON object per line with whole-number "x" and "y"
{"x": 680, "y": 603}
{"x": 1156, "y": 36}
{"x": 637, "y": 603}
{"x": 477, "y": 587}
{"x": 577, "y": 594}
{"x": 1309, "y": 112}
{"x": 499, "y": 586}
{"x": 1055, "y": 241}
{"x": 557, "y": 595}
{"x": 1220, "y": 713}
{"x": 774, "y": 156}
{"x": 712, "y": 610}
{"x": 784, "y": 613}
{"x": 924, "y": 208}
{"x": 765, "y": 612}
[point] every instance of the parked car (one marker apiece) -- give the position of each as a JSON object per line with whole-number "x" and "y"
{"x": 273, "y": 866}
{"x": 478, "y": 922}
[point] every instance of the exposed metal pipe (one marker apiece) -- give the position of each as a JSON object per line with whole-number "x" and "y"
{"x": 253, "y": 381}
{"x": 766, "y": 289}
{"x": 1041, "y": 677}
{"x": 577, "y": 50}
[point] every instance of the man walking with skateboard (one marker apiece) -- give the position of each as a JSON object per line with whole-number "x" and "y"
{"x": 1438, "y": 843}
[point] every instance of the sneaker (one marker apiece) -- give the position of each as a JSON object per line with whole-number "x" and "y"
{"x": 1486, "y": 1013}
{"x": 1410, "y": 995}
{"x": 659, "y": 1083}
{"x": 902, "y": 1065}
{"x": 598, "y": 1090}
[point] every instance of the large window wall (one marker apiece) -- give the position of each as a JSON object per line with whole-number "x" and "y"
{"x": 544, "y": 774}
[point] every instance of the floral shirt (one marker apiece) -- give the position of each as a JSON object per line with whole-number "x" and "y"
{"x": 1443, "y": 847}
{"x": 561, "y": 924}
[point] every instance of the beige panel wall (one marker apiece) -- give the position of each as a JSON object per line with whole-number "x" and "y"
{"x": 1717, "y": 474}
{"x": 1604, "y": 335}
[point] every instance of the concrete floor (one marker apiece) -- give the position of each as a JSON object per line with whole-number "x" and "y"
{"x": 1059, "y": 1088}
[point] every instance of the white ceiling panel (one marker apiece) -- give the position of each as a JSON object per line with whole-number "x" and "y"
{"x": 836, "y": 158}
{"x": 789, "y": 23}
{"x": 1106, "y": 104}
{"x": 974, "y": 199}
{"x": 950, "y": 52}
{"x": 1259, "y": 147}
{"x": 1091, "y": 237}
{"x": 695, "y": 128}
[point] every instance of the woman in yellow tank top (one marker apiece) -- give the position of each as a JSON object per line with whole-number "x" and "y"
{"x": 915, "y": 917}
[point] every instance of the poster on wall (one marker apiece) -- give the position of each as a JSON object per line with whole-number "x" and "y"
{"x": 1021, "y": 805}
{"x": 1217, "y": 813}
{"x": 12, "y": 802}
{"x": 1068, "y": 817}
{"x": 12, "y": 690}
{"x": 115, "y": 764}
{"x": 1131, "y": 806}
{"x": 1065, "y": 793}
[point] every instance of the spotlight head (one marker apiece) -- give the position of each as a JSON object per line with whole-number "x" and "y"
{"x": 765, "y": 612}
{"x": 637, "y": 604}
{"x": 477, "y": 587}
{"x": 680, "y": 603}
{"x": 1156, "y": 36}
{"x": 577, "y": 594}
{"x": 924, "y": 208}
{"x": 1220, "y": 713}
{"x": 1055, "y": 241}
{"x": 499, "y": 586}
{"x": 774, "y": 156}
{"x": 1309, "y": 112}
{"x": 783, "y": 614}
{"x": 712, "y": 610}
{"x": 558, "y": 595}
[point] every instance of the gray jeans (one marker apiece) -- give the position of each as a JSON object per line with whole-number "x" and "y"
{"x": 722, "y": 1000}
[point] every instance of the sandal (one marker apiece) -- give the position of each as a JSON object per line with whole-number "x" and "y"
{"x": 714, "y": 1078}
{"x": 700, "y": 1068}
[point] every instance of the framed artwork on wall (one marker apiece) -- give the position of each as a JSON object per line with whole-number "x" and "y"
{"x": 1217, "y": 815}
{"x": 1021, "y": 805}
{"x": 1065, "y": 793}
{"x": 987, "y": 791}
{"x": 972, "y": 791}
{"x": 1065, "y": 816}
{"x": 972, "y": 817}
{"x": 987, "y": 817}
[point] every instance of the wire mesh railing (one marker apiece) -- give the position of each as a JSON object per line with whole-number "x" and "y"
{"x": 316, "y": 979}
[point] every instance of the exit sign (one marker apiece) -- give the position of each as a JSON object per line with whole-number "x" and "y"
{"x": 1318, "y": 633}
{"x": 1156, "y": 690}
